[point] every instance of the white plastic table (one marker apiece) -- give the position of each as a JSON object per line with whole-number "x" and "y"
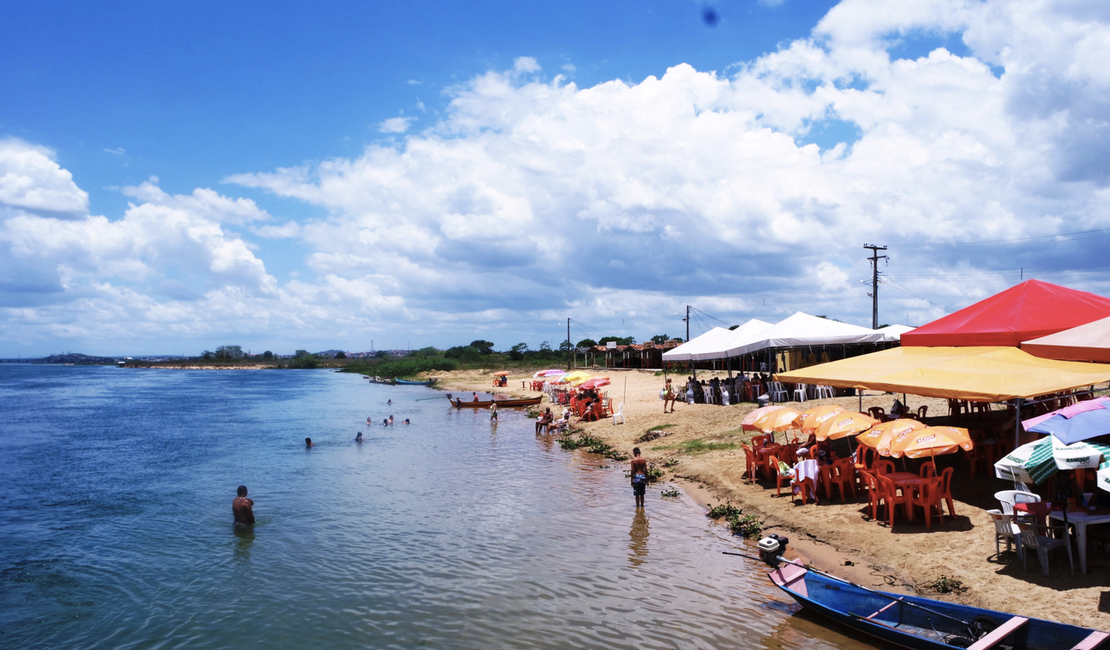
{"x": 1081, "y": 521}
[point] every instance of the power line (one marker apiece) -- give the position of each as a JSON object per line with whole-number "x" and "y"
{"x": 1021, "y": 239}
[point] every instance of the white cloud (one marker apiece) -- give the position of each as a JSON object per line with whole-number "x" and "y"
{"x": 535, "y": 199}
{"x": 395, "y": 125}
{"x": 30, "y": 179}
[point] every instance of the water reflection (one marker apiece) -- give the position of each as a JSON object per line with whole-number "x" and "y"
{"x": 638, "y": 538}
{"x": 244, "y": 539}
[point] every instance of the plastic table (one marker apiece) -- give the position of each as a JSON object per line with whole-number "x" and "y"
{"x": 1081, "y": 519}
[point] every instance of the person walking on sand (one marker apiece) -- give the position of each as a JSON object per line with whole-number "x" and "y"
{"x": 243, "y": 508}
{"x": 639, "y": 477}
{"x": 669, "y": 396}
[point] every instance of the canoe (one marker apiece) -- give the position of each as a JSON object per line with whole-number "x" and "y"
{"x": 501, "y": 403}
{"x": 408, "y": 382}
{"x": 924, "y": 624}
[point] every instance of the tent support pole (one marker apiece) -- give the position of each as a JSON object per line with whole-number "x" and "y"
{"x": 1017, "y": 421}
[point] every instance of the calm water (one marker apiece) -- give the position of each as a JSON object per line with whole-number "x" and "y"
{"x": 115, "y": 528}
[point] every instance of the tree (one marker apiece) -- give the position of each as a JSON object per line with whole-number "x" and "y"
{"x": 226, "y": 352}
{"x": 341, "y": 355}
{"x": 483, "y": 347}
{"x": 462, "y": 353}
{"x": 660, "y": 339}
{"x": 267, "y": 355}
{"x": 586, "y": 343}
{"x": 427, "y": 352}
{"x": 208, "y": 355}
{"x": 381, "y": 354}
{"x": 516, "y": 353}
{"x": 627, "y": 340}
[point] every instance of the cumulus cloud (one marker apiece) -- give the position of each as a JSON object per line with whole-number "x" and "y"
{"x": 748, "y": 195}
{"x": 31, "y": 180}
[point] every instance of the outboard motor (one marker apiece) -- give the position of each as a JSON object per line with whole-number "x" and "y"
{"x": 771, "y": 549}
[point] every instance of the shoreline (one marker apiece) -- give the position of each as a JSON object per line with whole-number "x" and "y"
{"x": 905, "y": 560}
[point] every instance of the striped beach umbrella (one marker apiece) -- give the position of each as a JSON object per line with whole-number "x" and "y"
{"x": 1035, "y": 461}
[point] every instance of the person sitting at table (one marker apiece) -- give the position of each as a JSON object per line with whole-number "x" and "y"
{"x": 806, "y": 468}
{"x": 824, "y": 452}
{"x": 1067, "y": 488}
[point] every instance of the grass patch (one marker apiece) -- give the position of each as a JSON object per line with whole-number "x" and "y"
{"x": 946, "y": 585}
{"x": 592, "y": 445}
{"x": 738, "y": 522}
{"x": 670, "y": 493}
{"x": 698, "y": 446}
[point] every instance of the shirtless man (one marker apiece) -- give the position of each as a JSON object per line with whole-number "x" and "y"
{"x": 243, "y": 508}
{"x": 639, "y": 477}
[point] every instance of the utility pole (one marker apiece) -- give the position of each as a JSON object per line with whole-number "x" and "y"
{"x": 570, "y": 350}
{"x": 687, "y": 319}
{"x": 875, "y": 257}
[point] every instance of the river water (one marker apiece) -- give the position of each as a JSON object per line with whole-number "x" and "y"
{"x": 115, "y": 530}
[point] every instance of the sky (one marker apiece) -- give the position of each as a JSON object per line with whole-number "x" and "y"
{"x": 356, "y": 175}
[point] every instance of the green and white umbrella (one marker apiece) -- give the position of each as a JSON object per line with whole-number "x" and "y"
{"x": 1103, "y": 479}
{"x": 1036, "y": 461}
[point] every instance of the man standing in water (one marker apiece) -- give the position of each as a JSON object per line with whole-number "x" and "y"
{"x": 639, "y": 477}
{"x": 243, "y": 508}
{"x": 493, "y": 412}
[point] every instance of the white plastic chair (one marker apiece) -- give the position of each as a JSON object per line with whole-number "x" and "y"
{"x": 824, "y": 391}
{"x": 776, "y": 391}
{"x": 1005, "y": 528}
{"x": 724, "y": 396}
{"x": 619, "y": 414}
{"x": 1009, "y": 497}
{"x": 1031, "y": 538}
{"x": 800, "y": 393}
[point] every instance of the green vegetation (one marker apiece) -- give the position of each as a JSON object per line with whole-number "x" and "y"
{"x": 698, "y": 446}
{"x": 302, "y": 359}
{"x": 946, "y": 585}
{"x": 670, "y": 493}
{"x": 738, "y": 522}
{"x": 593, "y": 445}
{"x": 403, "y": 367}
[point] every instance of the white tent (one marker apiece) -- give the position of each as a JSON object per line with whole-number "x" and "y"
{"x": 738, "y": 337}
{"x": 801, "y": 330}
{"x": 893, "y": 333}
{"x": 707, "y": 342}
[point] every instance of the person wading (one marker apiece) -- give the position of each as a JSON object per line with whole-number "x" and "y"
{"x": 243, "y": 508}
{"x": 639, "y": 477}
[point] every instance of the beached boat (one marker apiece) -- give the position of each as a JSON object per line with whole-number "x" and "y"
{"x": 501, "y": 403}
{"x": 409, "y": 382}
{"x": 918, "y": 623}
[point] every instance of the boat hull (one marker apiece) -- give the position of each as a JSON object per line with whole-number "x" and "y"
{"x": 907, "y": 624}
{"x": 501, "y": 403}
{"x": 406, "y": 382}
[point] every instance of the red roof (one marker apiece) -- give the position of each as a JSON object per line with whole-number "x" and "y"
{"x": 1026, "y": 311}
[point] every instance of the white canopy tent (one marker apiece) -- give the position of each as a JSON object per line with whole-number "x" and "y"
{"x": 893, "y": 333}
{"x": 802, "y": 330}
{"x": 709, "y": 341}
{"x": 742, "y": 335}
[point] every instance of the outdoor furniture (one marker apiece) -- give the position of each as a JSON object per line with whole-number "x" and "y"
{"x": 866, "y": 457}
{"x": 749, "y": 457}
{"x": 927, "y": 495}
{"x": 825, "y": 391}
{"x": 893, "y": 499}
{"x": 921, "y": 411}
{"x": 840, "y": 473}
{"x": 955, "y": 407}
{"x": 975, "y": 458}
{"x": 1081, "y": 520}
{"x": 776, "y": 391}
{"x": 619, "y": 414}
{"x": 800, "y": 393}
{"x": 1009, "y": 497}
{"x": 878, "y": 413}
{"x": 875, "y": 493}
{"x": 1005, "y": 528}
{"x": 1032, "y": 538}
{"x": 805, "y": 479}
{"x": 928, "y": 469}
{"x": 946, "y": 489}
{"x": 883, "y": 467}
{"x": 774, "y": 467}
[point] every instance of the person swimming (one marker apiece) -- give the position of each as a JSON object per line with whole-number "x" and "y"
{"x": 358, "y": 437}
{"x": 406, "y": 421}
{"x": 308, "y": 443}
{"x": 391, "y": 419}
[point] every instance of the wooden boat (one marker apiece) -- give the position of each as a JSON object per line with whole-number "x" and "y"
{"x": 501, "y": 403}
{"x": 921, "y": 623}
{"x": 408, "y": 382}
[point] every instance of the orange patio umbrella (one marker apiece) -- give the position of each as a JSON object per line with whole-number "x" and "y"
{"x": 881, "y": 436}
{"x": 931, "y": 441}
{"x": 812, "y": 418}
{"x": 503, "y": 373}
{"x": 748, "y": 423}
{"x": 777, "y": 420}
{"x": 841, "y": 425}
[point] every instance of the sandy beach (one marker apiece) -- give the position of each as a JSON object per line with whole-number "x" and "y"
{"x": 832, "y": 534}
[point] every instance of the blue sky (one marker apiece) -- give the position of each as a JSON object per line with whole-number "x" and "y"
{"x": 174, "y": 178}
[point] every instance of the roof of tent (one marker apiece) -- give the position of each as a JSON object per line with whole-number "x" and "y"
{"x": 1022, "y": 312}
{"x": 1090, "y": 342}
{"x": 708, "y": 341}
{"x": 893, "y": 333}
{"x": 737, "y": 337}
{"x": 802, "y": 330}
{"x": 991, "y": 374}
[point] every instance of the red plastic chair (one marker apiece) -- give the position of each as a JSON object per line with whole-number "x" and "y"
{"x": 878, "y": 413}
{"x": 882, "y": 467}
{"x": 771, "y": 467}
{"x": 875, "y": 494}
{"x": 928, "y": 497}
{"x": 843, "y": 473}
{"x": 928, "y": 469}
{"x": 752, "y": 465}
{"x": 893, "y": 499}
{"x": 946, "y": 489}
{"x": 867, "y": 457}
{"x": 807, "y": 488}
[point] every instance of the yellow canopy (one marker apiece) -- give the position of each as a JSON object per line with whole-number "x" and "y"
{"x": 983, "y": 374}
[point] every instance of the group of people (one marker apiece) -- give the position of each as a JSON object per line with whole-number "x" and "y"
{"x": 386, "y": 421}
{"x": 547, "y": 422}
{"x": 717, "y": 390}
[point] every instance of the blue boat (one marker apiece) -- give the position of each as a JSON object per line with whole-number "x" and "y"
{"x": 918, "y": 623}
{"x": 407, "y": 382}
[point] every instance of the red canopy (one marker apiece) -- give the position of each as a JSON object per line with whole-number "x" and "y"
{"x": 1026, "y": 311}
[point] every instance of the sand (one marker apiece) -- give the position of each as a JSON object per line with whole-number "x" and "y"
{"x": 908, "y": 559}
